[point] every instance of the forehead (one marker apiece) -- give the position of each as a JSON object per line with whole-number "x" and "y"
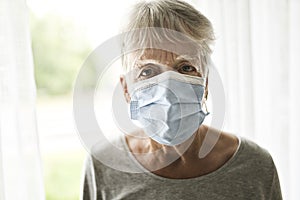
{"x": 157, "y": 55}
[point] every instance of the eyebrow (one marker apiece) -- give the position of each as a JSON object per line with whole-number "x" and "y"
{"x": 180, "y": 60}
{"x": 184, "y": 58}
{"x": 143, "y": 63}
{"x": 148, "y": 62}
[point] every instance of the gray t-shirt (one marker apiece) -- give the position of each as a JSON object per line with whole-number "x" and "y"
{"x": 249, "y": 174}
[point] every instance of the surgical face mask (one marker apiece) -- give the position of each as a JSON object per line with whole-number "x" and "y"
{"x": 168, "y": 106}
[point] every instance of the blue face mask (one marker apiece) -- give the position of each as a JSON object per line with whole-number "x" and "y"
{"x": 168, "y": 106}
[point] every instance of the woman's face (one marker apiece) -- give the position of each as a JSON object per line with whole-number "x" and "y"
{"x": 153, "y": 62}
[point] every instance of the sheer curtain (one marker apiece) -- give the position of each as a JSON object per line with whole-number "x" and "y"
{"x": 257, "y": 53}
{"x": 20, "y": 169}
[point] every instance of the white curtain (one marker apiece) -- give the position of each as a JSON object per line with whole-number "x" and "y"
{"x": 257, "y": 53}
{"x": 20, "y": 169}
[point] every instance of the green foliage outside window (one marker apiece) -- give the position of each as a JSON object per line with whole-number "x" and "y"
{"x": 59, "y": 49}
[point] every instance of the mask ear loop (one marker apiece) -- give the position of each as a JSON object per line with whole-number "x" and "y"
{"x": 204, "y": 105}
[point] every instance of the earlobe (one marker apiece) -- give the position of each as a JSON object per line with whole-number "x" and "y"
{"x": 125, "y": 89}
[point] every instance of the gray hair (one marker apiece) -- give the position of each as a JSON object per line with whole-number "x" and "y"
{"x": 173, "y": 15}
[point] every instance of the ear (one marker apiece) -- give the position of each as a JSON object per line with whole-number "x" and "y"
{"x": 124, "y": 86}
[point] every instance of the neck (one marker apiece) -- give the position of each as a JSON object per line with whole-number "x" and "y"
{"x": 183, "y": 152}
{"x": 189, "y": 149}
{"x": 183, "y": 161}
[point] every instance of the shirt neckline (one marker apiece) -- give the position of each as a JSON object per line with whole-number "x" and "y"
{"x": 219, "y": 171}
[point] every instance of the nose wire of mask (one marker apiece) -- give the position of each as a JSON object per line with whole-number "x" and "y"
{"x": 168, "y": 106}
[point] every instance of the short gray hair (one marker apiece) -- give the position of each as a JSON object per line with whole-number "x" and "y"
{"x": 175, "y": 15}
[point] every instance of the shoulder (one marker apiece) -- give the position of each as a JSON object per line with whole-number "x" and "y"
{"x": 246, "y": 156}
{"x": 244, "y": 149}
{"x": 251, "y": 150}
{"x": 245, "y": 153}
{"x": 112, "y": 156}
{"x": 107, "y": 147}
{"x": 255, "y": 160}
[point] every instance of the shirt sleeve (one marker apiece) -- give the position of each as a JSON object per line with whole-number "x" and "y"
{"x": 88, "y": 191}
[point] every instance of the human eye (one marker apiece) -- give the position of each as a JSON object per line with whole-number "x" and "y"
{"x": 148, "y": 72}
{"x": 187, "y": 69}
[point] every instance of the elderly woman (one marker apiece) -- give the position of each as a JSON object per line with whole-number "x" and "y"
{"x": 167, "y": 90}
